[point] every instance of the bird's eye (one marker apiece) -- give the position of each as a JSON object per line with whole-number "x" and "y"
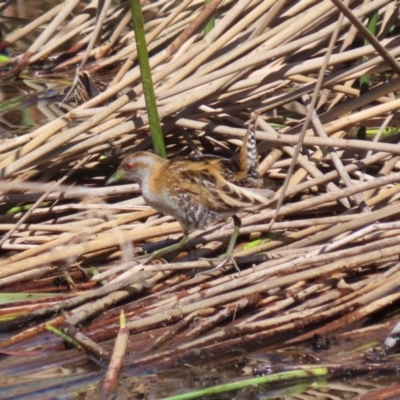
{"x": 128, "y": 166}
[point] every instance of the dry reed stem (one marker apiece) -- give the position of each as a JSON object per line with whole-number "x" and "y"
{"x": 262, "y": 57}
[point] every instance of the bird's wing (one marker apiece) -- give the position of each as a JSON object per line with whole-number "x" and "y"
{"x": 205, "y": 182}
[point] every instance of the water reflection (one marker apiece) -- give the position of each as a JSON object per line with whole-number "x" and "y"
{"x": 24, "y": 105}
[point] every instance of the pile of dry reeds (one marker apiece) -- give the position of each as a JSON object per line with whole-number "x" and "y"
{"x": 329, "y": 261}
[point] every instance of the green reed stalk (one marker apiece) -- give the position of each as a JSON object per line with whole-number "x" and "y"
{"x": 147, "y": 82}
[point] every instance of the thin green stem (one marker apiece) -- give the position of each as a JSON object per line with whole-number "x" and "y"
{"x": 147, "y": 81}
{"x": 211, "y": 22}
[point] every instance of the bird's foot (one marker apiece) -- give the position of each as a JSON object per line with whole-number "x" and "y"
{"x": 159, "y": 254}
{"x": 222, "y": 260}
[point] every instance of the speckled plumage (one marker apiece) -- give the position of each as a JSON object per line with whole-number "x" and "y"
{"x": 247, "y": 164}
{"x": 198, "y": 191}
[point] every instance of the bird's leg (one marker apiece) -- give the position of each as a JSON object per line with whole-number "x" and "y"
{"x": 162, "y": 252}
{"x": 237, "y": 223}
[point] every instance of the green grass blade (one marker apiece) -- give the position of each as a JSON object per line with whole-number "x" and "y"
{"x": 211, "y": 22}
{"x": 148, "y": 88}
{"x": 273, "y": 378}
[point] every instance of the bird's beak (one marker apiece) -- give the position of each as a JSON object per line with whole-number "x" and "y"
{"x": 114, "y": 177}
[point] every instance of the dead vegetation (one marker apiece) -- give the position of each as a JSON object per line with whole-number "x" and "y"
{"x": 327, "y": 264}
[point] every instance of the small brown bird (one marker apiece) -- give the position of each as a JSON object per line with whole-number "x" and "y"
{"x": 198, "y": 191}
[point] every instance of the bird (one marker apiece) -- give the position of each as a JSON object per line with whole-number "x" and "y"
{"x": 199, "y": 190}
